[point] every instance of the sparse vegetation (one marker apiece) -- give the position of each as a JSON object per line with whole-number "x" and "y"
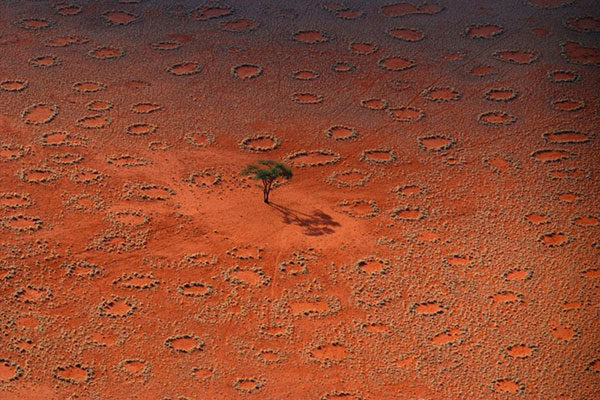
{"x": 267, "y": 171}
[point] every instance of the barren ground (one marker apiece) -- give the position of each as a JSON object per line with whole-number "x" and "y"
{"x": 439, "y": 238}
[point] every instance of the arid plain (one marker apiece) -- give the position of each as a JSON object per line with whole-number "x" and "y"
{"x": 439, "y": 238}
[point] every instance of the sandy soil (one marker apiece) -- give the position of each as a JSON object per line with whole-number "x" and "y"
{"x": 439, "y": 239}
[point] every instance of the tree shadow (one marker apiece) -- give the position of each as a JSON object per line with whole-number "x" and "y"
{"x": 316, "y": 223}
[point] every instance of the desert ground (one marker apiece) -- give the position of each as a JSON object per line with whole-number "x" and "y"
{"x": 439, "y": 238}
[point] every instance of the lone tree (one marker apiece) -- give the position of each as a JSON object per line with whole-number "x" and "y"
{"x": 267, "y": 171}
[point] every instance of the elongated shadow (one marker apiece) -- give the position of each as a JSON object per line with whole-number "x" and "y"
{"x": 316, "y": 223}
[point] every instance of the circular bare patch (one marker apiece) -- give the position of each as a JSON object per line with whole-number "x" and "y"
{"x": 483, "y": 31}
{"x": 88, "y": 87}
{"x": 246, "y": 276}
{"x": 576, "y": 53}
{"x": 586, "y": 23}
{"x": 500, "y": 163}
{"x": 306, "y": 98}
{"x": 106, "y": 53}
{"x": 379, "y": 156}
{"x": 34, "y": 24}
{"x": 38, "y": 114}
{"x": 148, "y": 191}
{"x": 40, "y": 174}
{"x": 86, "y": 176}
{"x": 67, "y": 158}
{"x": 507, "y": 385}
{"x": 441, "y": 94}
{"x": 118, "y": 307}
{"x": 401, "y": 9}
{"x": 199, "y": 139}
{"x": 502, "y": 94}
{"x": 406, "y": 114}
{"x": 362, "y": 48}
{"x": 184, "y": 343}
{"x": 358, "y": 208}
{"x": 206, "y": 12}
{"x": 248, "y": 385}
{"x": 568, "y": 105}
{"x": 67, "y": 10}
{"x": 435, "y": 143}
{"x": 407, "y": 214}
{"x": 127, "y": 160}
{"x": 376, "y": 104}
{"x": 65, "y": 41}
{"x": 496, "y": 118}
{"x": 428, "y": 308}
{"x": 116, "y": 18}
{"x": 586, "y": 221}
{"x": 21, "y": 223}
{"x": 372, "y": 265}
{"x": 343, "y": 66}
{"x": 516, "y": 56}
{"x": 246, "y": 71}
{"x": 158, "y": 145}
{"x": 551, "y": 155}
{"x": 61, "y": 138}
{"x": 97, "y": 121}
{"x": 136, "y": 280}
{"x": 554, "y": 239}
{"x": 406, "y": 34}
{"x": 260, "y": 143}
{"x": 75, "y": 373}
{"x": 195, "y": 289}
{"x": 14, "y": 85}
{"x": 9, "y": 371}
{"x": 99, "y": 105}
{"x": 240, "y": 25}
{"x": 311, "y": 37}
{"x": 205, "y": 178}
{"x": 305, "y": 75}
{"x": 396, "y": 63}
{"x": 81, "y": 268}
{"x": 341, "y": 132}
{"x": 44, "y": 61}
{"x": 33, "y": 294}
{"x": 199, "y": 260}
{"x": 13, "y": 152}
{"x": 349, "y": 14}
{"x": 128, "y": 218}
{"x": 84, "y": 202}
{"x": 134, "y": 367}
{"x": 482, "y": 71}
{"x": 410, "y": 190}
{"x": 563, "y": 76}
{"x": 14, "y": 201}
{"x": 140, "y": 129}
{"x": 185, "y": 68}
{"x": 349, "y": 178}
{"x": 567, "y": 136}
{"x": 312, "y": 158}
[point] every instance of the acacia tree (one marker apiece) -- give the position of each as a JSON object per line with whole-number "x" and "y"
{"x": 267, "y": 171}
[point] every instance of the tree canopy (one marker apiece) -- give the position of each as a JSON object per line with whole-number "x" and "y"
{"x": 267, "y": 171}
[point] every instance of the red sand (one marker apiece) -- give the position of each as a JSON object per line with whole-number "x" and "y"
{"x": 439, "y": 239}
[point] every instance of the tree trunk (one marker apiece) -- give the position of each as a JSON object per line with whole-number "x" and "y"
{"x": 266, "y": 191}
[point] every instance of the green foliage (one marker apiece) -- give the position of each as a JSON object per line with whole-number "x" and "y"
{"x": 267, "y": 171}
